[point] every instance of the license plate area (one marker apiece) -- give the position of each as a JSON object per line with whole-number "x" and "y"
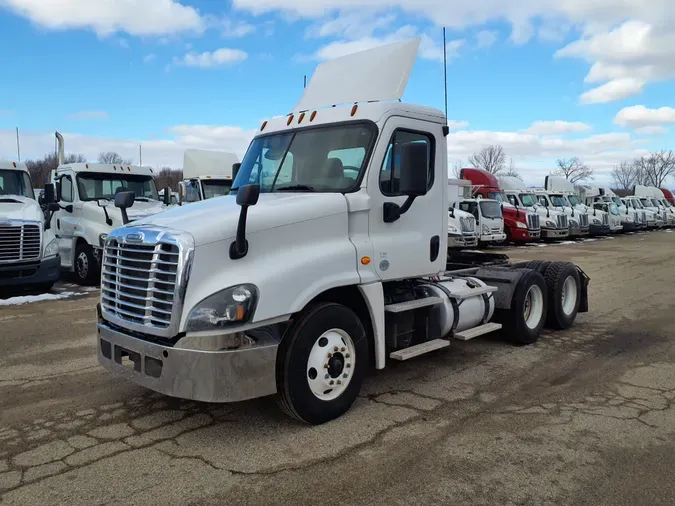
{"x": 128, "y": 358}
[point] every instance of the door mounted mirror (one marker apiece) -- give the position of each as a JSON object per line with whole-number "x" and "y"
{"x": 413, "y": 181}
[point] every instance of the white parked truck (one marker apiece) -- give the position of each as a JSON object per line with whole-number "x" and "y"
{"x": 554, "y": 223}
{"x": 653, "y": 219}
{"x": 659, "y": 197}
{"x": 487, "y": 213}
{"x": 461, "y": 225}
{"x": 577, "y": 220}
{"x": 648, "y": 200}
{"x": 206, "y": 174}
{"x": 29, "y": 253}
{"x": 85, "y": 192}
{"x": 631, "y": 219}
{"x": 296, "y": 288}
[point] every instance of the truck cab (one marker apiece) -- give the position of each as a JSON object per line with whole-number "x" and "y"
{"x": 486, "y": 212}
{"x": 520, "y": 225}
{"x": 86, "y": 193}
{"x": 461, "y": 225}
{"x": 554, "y": 223}
{"x": 652, "y": 220}
{"x": 668, "y": 195}
{"x": 29, "y": 253}
{"x": 578, "y": 220}
{"x": 659, "y": 197}
{"x": 650, "y": 196}
{"x": 206, "y": 174}
{"x": 630, "y": 219}
{"x": 328, "y": 260}
{"x": 604, "y": 219}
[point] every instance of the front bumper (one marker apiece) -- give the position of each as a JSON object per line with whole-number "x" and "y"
{"x": 35, "y": 273}
{"x": 600, "y": 229}
{"x": 492, "y": 238}
{"x": 523, "y": 234}
{"x": 578, "y": 232}
{"x": 208, "y": 376}
{"x": 554, "y": 233}
{"x": 462, "y": 241}
{"x": 630, "y": 226}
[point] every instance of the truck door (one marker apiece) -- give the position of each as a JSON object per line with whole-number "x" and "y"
{"x": 65, "y": 220}
{"x": 415, "y": 244}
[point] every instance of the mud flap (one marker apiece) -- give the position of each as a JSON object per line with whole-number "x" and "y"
{"x": 583, "y": 302}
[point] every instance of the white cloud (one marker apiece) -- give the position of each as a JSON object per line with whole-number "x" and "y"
{"x": 639, "y": 116}
{"x": 616, "y": 89}
{"x": 486, "y": 38}
{"x": 557, "y": 127}
{"x": 149, "y": 57}
{"x": 351, "y": 25}
{"x": 456, "y": 125}
{"x": 235, "y": 29}
{"x": 217, "y": 58}
{"x": 135, "y": 17}
{"x": 88, "y": 115}
{"x": 651, "y": 130}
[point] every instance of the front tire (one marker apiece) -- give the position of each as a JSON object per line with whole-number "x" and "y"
{"x": 87, "y": 267}
{"x": 321, "y": 363}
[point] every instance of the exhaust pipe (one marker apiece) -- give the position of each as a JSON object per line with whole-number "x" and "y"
{"x": 60, "y": 156}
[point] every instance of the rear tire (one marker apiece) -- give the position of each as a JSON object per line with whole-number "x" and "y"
{"x": 539, "y": 265}
{"x": 564, "y": 294}
{"x": 321, "y": 363}
{"x": 527, "y": 315}
{"x": 87, "y": 267}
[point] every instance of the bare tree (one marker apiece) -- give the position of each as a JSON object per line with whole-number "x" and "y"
{"x": 654, "y": 169}
{"x": 491, "y": 158}
{"x": 39, "y": 168}
{"x": 110, "y": 157}
{"x": 573, "y": 169}
{"x": 168, "y": 177}
{"x": 457, "y": 168}
{"x": 624, "y": 175}
{"x": 511, "y": 171}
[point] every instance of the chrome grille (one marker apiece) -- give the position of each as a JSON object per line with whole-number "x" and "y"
{"x": 143, "y": 282}
{"x": 605, "y": 219}
{"x": 20, "y": 242}
{"x": 583, "y": 219}
{"x": 562, "y": 221}
{"x": 643, "y": 217}
{"x": 533, "y": 221}
{"x": 468, "y": 224}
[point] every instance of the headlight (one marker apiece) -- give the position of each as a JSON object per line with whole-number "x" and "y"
{"x": 573, "y": 223}
{"x": 452, "y": 229}
{"x": 101, "y": 239}
{"x": 52, "y": 248}
{"x": 234, "y": 305}
{"x": 520, "y": 224}
{"x": 486, "y": 229}
{"x": 596, "y": 221}
{"x": 550, "y": 223}
{"x": 629, "y": 219}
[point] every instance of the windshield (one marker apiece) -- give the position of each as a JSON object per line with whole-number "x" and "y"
{"x": 617, "y": 201}
{"x": 498, "y": 196}
{"x": 527, "y": 199}
{"x": 216, "y": 187}
{"x": 574, "y": 200}
{"x": 16, "y": 182}
{"x": 558, "y": 201}
{"x": 647, "y": 202}
{"x": 655, "y": 202}
{"x": 490, "y": 209}
{"x": 469, "y": 207}
{"x": 636, "y": 203}
{"x": 105, "y": 186}
{"x": 326, "y": 159}
{"x": 613, "y": 209}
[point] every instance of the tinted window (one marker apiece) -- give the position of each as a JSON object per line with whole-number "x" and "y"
{"x": 390, "y": 173}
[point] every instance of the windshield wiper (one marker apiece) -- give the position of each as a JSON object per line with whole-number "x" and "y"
{"x": 296, "y": 188}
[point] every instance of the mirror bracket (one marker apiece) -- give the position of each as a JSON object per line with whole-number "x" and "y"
{"x": 392, "y": 211}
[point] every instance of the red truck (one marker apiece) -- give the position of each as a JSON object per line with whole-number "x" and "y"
{"x": 520, "y": 225}
{"x": 668, "y": 195}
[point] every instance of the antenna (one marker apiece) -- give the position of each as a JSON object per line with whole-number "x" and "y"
{"x": 445, "y": 75}
{"x": 305, "y": 85}
{"x": 140, "y": 156}
{"x": 18, "y": 149}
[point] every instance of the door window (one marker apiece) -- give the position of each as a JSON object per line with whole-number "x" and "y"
{"x": 390, "y": 172}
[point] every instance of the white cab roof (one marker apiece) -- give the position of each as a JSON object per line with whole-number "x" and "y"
{"x": 6, "y": 164}
{"x": 376, "y": 74}
{"x": 647, "y": 191}
{"x": 107, "y": 168}
{"x": 206, "y": 163}
{"x": 510, "y": 183}
{"x": 558, "y": 184}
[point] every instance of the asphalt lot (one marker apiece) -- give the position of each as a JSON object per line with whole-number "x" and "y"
{"x": 584, "y": 416}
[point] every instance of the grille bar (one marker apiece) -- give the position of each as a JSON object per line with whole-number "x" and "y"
{"x": 20, "y": 242}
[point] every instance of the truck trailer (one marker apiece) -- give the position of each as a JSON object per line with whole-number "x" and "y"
{"x": 296, "y": 284}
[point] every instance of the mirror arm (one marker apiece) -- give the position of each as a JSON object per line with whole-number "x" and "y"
{"x": 239, "y": 248}
{"x": 392, "y": 211}
{"x": 125, "y": 216}
{"x": 108, "y": 220}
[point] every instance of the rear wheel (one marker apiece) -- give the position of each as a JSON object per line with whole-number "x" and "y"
{"x": 87, "y": 267}
{"x": 527, "y": 315}
{"x": 564, "y": 290}
{"x": 321, "y": 363}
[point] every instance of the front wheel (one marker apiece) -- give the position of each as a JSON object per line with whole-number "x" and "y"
{"x": 321, "y": 363}
{"x": 87, "y": 267}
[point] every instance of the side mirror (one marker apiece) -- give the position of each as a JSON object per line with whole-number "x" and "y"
{"x": 235, "y": 170}
{"x": 124, "y": 200}
{"x": 167, "y": 196}
{"x": 413, "y": 181}
{"x": 58, "y": 190}
{"x": 48, "y": 196}
{"x": 247, "y": 196}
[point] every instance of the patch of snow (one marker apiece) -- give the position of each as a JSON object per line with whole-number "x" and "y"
{"x": 589, "y": 240}
{"x": 568, "y": 242}
{"x": 542, "y": 245}
{"x": 668, "y": 231}
{"x": 27, "y": 299}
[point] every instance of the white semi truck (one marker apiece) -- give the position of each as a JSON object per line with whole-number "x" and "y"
{"x": 487, "y": 213}
{"x": 659, "y": 197}
{"x": 85, "y": 216}
{"x": 297, "y": 288}
{"x": 206, "y": 174}
{"x": 648, "y": 200}
{"x": 554, "y": 223}
{"x": 578, "y": 220}
{"x": 29, "y": 253}
{"x": 631, "y": 219}
{"x": 461, "y": 225}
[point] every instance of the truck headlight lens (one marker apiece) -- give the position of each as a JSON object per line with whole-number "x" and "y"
{"x": 452, "y": 229}
{"x": 573, "y": 223}
{"x": 596, "y": 221}
{"x": 234, "y": 305}
{"x": 550, "y": 223}
{"x": 52, "y": 248}
{"x": 486, "y": 229}
{"x": 520, "y": 224}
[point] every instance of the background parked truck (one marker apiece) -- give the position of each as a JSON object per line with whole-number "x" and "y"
{"x": 206, "y": 174}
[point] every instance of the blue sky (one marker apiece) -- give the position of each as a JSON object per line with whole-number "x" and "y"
{"x": 542, "y": 80}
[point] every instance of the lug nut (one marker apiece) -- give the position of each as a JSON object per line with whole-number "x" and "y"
{"x": 343, "y": 348}
{"x": 326, "y": 376}
{"x": 344, "y": 375}
{"x": 347, "y": 355}
{"x": 336, "y": 348}
{"x": 325, "y": 366}
{"x": 330, "y": 355}
{"x": 331, "y": 382}
{"x": 348, "y": 366}
{"x": 339, "y": 382}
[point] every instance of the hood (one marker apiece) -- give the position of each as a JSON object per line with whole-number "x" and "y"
{"x": 16, "y": 207}
{"x": 136, "y": 212}
{"x": 216, "y": 219}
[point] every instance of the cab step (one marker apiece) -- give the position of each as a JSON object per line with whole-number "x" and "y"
{"x": 409, "y": 305}
{"x": 465, "y": 335}
{"x": 419, "y": 349}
